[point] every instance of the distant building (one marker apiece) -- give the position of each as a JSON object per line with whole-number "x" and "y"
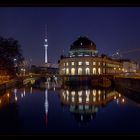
{"x": 83, "y": 59}
{"x": 129, "y": 65}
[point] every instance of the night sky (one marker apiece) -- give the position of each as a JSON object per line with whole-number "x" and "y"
{"x": 111, "y": 28}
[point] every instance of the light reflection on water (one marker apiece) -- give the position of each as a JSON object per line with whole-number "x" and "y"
{"x": 52, "y": 109}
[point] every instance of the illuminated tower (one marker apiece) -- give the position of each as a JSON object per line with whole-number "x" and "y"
{"x": 46, "y": 46}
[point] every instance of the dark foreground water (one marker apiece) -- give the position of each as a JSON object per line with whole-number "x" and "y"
{"x": 81, "y": 110}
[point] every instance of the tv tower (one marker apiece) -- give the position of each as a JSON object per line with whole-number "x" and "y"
{"x": 46, "y": 45}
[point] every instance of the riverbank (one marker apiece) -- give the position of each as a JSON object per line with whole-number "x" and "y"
{"x": 10, "y": 84}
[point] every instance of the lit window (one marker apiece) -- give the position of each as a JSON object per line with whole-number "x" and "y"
{"x": 80, "y": 99}
{"x": 87, "y": 71}
{"x": 94, "y": 70}
{"x": 104, "y": 63}
{"x": 99, "y": 70}
{"x": 87, "y": 99}
{"x": 67, "y": 63}
{"x": 72, "y": 63}
{"x": 79, "y": 71}
{"x": 94, "y": 63}
{"x": 72, "y": 93}
{"x": 87, "y": 63}
{"x": 64, "y": 64}
{"x": 67, "y": 71}
{"x": 73, "y": 71}
{"x": 79, "y": 63}
{"x": 80, "y": 93}
{"x": 99, "y": 63}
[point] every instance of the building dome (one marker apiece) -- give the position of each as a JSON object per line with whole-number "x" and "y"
{"x": 83, "y": 43}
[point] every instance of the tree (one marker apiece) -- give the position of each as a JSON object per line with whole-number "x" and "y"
{"x": 10, "y": 55}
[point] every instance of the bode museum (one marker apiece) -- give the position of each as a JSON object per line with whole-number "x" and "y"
{"x": 83, "y": 59}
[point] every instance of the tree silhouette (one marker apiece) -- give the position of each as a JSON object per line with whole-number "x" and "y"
{"x": 10, "y": 55}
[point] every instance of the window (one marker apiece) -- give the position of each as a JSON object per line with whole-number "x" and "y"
{"x": 99, "y": 63}
{"x": 94, "y": 63}
{"x": 79, "y": 63}
{"x": 73, "y": 71}
{"x": 67, "y": 64}
{"x": 64, "y": 64}
{"x": 87, "y": 71}
{"x": 94, "y": 70}
{"x": 79, "y": 71}
{"x": 87, "y": 63}
{"x": 99, "y": 70}
{"x": 72, "y": 63}
{"x": 67, "y": 71}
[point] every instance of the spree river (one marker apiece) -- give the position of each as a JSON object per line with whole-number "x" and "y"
{"x": 80, "y": 110}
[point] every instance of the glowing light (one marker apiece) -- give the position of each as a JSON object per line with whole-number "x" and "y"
{"x": 73, "y": 71}
{"x": 114, "y": 97}
{"x": 80, "y": 93}
{"x": 94, "y": 92}
{"x": 87, "y": 71}
{"x": 87, "y": 63}
{"x": 87, "y": 99}
{"x": 79, "y": 71}
{"x": 67, "y": 92}
{"x": 117, "y": 101}
{"x": 80, "y": 99}
{"x": 99, "y": 92}
{"x": 72, "y": 93}
{"x": 94, "y": 70}
{"x": 123, "y": 100}
{"x": 94, "y": 63}
{"x": 16, "y": 98}
{"x": 87, "y": 92}
{"x": 31, "y": 90}
{"x": 46, "y": 101}
{"x": 72, "y": 63}
{"x": 53, "y": 88}
{"x": 15, "y": 90}
{"x": 79, "y": 63}
{"x": 21, "y": 95}
{"x": 119, "y": 95}
{"x": 8, "y": 94}
{"x": 24, "y": 92}
{"x": 67, "y": 71}
{"x": 94, "y": 99}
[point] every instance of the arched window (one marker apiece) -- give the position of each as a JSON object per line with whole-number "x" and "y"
{"x": 73, "y": 71}
{"x": 79, "y": 71}
{"x": 94, "y": 70}
{"x": 87, "y": 70}
{"x": 67, "y": 71}
{"x": 99, "y": 70}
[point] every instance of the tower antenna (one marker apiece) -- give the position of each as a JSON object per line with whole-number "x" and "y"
{"x": 46, "y": 45}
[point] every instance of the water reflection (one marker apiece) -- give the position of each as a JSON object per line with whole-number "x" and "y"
{"x": 46, "y": 104}
{"x": 85, "y": 103}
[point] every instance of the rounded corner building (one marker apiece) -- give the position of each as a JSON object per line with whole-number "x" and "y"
{"x": 83, "y": 59}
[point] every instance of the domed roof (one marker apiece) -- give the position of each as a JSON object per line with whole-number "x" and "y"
{"x": 83, "y": 43}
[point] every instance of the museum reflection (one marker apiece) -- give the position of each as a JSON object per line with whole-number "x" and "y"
{"x": 84, "y": 102}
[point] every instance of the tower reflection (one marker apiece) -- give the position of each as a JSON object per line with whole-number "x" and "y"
{"x": 46, "y": 104}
